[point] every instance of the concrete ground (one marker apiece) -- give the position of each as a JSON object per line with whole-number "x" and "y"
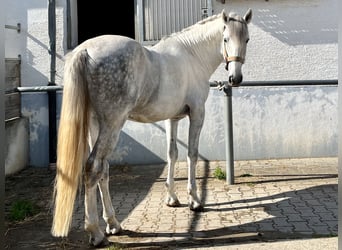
{"x": 274, "y": 204}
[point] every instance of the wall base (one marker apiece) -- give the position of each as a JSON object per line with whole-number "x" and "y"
{"x": 16, "y": 150}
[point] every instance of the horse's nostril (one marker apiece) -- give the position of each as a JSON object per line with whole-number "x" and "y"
{"x": 235, "y": 80}
{"x": 230, "y": 79}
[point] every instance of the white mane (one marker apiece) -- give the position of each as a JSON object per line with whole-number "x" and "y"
{"x": 202, "y": 30}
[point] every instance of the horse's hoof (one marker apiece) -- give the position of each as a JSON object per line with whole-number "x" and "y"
{"x": 172, "y": 203}
{"x": 196, "y": 207}
{"x": 98, "y": 242}
{"x": 112, "y": 231}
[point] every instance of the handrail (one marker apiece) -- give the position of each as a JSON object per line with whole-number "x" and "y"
{"x": 40, "y": 88}
{"x": 221, "y": 85}
{"x": 279, "y": 83}
{"x": 228, "y": 113}
{"x": 214, "y": 84}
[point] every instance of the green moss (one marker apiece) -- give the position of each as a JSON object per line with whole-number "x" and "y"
{"x": 22, "y": 209}
{"x": 219, "y": 173}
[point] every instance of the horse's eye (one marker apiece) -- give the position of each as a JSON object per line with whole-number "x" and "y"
{"x": 225, "y": 39}
{"x": 247, "y": 40}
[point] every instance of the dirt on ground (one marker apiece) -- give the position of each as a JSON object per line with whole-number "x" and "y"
{"x": 33, "y": 187}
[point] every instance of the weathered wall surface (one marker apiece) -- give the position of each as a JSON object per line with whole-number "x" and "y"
{"x": 32, "y": 45}
{"x": 16, "y": 147}
{"x": 289, "y": 40}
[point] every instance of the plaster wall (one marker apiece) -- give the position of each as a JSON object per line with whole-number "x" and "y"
{"x": 289, "y": 40}
{"x": 31, "y": 44}
{"x": 16, "y": 148}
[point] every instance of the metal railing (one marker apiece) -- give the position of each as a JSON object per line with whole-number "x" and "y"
{"x": 228, "y": 112}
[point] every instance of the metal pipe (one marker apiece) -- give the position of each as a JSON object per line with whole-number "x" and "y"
{"x": 210, "y": 7}
{"x": 212, "y": 84}
{"x": 40, "y": 88}
{"x": 52, "y": 94}
{"x": 3, "y": 131}
{"x": 68, "y": 17}
{"x": 14, "y": 27}
{"x": 228, "y": 132}
{"x": 52, "y": 39}
{"x": 228, "y": 112}
{"x": 279, "y": 83}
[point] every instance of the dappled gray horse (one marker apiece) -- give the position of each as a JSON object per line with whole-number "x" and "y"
{"x": 110, "y": 79}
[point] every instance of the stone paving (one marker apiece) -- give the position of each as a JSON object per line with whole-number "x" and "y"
{"x": 271, "y": 200}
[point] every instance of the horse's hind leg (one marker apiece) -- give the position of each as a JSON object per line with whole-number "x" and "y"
{"x": 96, "y": 172}
{"x": 113, "y": 226}
{"x": 172, "y": 155}
{"x": 91, "y": 225}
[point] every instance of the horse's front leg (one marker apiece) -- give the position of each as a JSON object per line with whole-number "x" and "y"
{"x": 196, "y": 123}
{"x": 172, "y": 155}
{"x": 113, "y": 226}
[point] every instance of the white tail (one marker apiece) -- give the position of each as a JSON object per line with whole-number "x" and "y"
{"x": 72, "y": 141}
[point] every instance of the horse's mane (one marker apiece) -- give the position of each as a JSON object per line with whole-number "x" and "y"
{"x": 200, "y": 29}
{"x": 199, "y": 24}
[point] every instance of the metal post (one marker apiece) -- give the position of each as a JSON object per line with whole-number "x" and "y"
{"x": 228, "y": 131}
{"x": 2, "y": 123}
{"x": 210, "y": 7}
{"x": 52, "y": 94}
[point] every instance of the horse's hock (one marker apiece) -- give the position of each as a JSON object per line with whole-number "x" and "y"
{"x": 17, "y": 134}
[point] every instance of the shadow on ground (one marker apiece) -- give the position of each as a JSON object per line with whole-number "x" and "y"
{"x": 130, "y": 187}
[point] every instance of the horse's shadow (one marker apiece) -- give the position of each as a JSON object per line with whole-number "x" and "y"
{"x": 319, "y": 203}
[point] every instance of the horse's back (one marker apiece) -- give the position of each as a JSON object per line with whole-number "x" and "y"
{"x": 108, "y": 45}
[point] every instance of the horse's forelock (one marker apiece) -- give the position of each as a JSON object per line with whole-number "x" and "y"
{"x": 237, "y": 24}
{"x": 235, "y": 17}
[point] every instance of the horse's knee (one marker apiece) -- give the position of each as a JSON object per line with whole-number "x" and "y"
{"x": 193, "y": 155}
{"x": 173, "y": 153}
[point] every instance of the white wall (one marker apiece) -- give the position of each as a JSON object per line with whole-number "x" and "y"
{"x": 32, "y": 44}
{"x": 289, "y": 40}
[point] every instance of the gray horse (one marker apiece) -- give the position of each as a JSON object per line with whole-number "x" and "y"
{"x": 110, "y": 79}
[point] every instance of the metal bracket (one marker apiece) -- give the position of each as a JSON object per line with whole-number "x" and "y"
{"x": 13, "y": 27}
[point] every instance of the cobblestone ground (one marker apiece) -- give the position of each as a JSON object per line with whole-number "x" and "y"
{"x": 271, "y": 200}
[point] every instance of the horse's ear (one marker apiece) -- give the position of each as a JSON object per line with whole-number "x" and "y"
{"x": 224, "y": 16}
{"x": 248, "y": 16}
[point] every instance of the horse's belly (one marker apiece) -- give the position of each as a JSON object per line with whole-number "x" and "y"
{"x": 143, "y": 118}
{"x": 158, "y": 115}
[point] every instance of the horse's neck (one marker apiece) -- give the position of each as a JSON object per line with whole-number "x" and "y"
{"x": 203, "y": 42}
{"x": 208, "y": 54}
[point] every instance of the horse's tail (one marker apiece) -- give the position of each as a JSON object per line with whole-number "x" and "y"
{"x": 72, "y": 141}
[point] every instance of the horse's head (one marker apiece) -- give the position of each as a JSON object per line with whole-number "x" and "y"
{"x": 234, "y": 44}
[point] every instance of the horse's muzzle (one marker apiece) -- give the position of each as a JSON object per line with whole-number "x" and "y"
{"x": 234, "y": 81}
